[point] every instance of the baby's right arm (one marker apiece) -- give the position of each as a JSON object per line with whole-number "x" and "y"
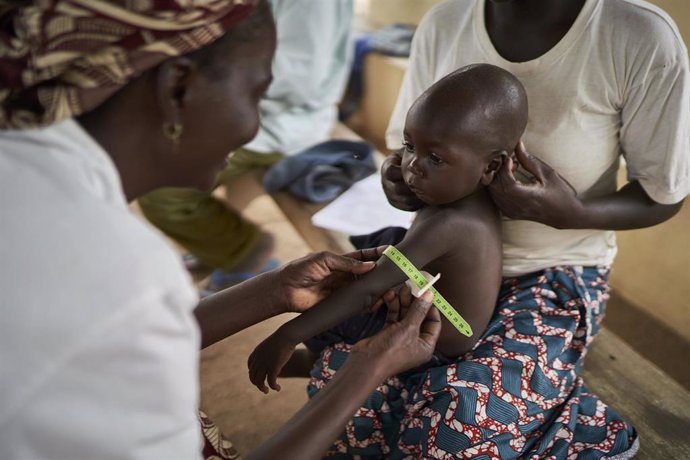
{"x": 423, "y": 243}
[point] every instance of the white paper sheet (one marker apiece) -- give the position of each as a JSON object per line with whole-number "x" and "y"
{"x": 362, "y": 209}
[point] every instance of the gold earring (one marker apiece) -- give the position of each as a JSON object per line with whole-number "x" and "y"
{"x": 173, "y": 131}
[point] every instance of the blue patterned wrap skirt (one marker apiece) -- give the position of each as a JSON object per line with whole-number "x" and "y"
{"x": 516, "y": 394}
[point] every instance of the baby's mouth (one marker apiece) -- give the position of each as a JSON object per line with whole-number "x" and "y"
{"x": 412, "y": 183}
{"x": 416, "y": 190}
{"x": 408, "y": 178}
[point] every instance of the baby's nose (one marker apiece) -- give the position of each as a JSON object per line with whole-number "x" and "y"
{"x": 415, "y": 168}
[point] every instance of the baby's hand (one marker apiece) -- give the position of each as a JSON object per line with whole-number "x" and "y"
{"x": 267, "y": 360}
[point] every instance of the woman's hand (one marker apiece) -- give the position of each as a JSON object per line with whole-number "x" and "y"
{"x": 548, "y": 199}
{"x": 405, "y": 342}
{"x": 395, "y": 188}
{"x": 408, "y": 339}
{"x": 306, "y": 281}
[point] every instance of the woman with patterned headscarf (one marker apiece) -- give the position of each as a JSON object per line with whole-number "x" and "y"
{"x": 101, "y": 101}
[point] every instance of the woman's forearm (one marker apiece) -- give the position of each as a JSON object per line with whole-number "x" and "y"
{"x": 234, "y": 309}
{"x": 627, "y": 209}
{"x": 551, "y": 200}
{"x": 310, "y": 433}
{"x": 333, "y": 310}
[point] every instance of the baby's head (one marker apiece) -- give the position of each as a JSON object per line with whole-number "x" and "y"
{"x": 460, "y": 131}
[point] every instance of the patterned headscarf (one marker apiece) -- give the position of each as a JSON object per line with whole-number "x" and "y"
{"x": 62, "y": 58}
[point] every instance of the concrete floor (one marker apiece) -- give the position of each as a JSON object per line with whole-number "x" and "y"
{"x": 242, "y": 412}
{"x": 650, "y": 337}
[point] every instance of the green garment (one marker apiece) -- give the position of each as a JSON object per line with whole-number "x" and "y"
{"x": 218, "y": 236}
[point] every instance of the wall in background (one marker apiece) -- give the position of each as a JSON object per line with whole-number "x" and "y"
{"x": 382, "y": 12}
{"x": 679, "y": 10}
{"x": 652, "y": 270}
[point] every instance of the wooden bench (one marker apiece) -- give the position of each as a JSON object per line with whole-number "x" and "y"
{"x": 658, "y": 406}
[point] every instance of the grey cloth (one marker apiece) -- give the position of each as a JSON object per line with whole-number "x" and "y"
{"x": 322, "y": 172}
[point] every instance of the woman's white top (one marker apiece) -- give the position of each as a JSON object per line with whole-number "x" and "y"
{"x": 617, "y": 84}
{"x": 98, "y": 342}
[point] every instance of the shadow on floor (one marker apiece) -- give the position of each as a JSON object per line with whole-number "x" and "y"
{"x": 649, "y": 337}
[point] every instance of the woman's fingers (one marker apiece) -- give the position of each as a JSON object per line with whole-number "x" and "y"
{"x": 355, "y": 262}
{"x": 393, "y": 303}
{"x": 336, "y": 263}
{"x": 529, "y": 162}
{"x": 373, "y": 308}
{"x": 538, "y": 168}
{"x": 406, "y": 340}
{"x": 430, "y": 328}
{"x": 416, "y": 310}
{"x": 506, "y": 175}
{"x": 405, "y": 300}
{"x": 504, "y": 181}
{"x": 368, "y": 254}
{"x": 425, "y": 324}
{"x": 505, "y": 188}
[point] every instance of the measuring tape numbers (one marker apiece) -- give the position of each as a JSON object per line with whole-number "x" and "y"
{"x": 418, "y": 279}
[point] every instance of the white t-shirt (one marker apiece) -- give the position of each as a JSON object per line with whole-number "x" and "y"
{"x": 616, "y": 84}
{"x": 99, "y": 346}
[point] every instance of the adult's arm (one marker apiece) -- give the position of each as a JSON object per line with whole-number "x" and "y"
{"x": 234, "y": 309}
{"x": 551, "y": 200}
{"x": 399, "y": 346}
{"x": 295, "y": 287}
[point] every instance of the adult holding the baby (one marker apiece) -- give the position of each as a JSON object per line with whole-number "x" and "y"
{"x": 604, "y": 80}
{"x": 102, "y": 101}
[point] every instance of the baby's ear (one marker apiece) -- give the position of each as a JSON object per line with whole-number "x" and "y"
{"x": 495, "y": 163}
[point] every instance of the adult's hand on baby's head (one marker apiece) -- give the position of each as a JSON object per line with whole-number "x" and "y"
{"x": 308, "y": 280}
{"x": 548, "y": 198}
{"x": 408, "y": 339}
{"x": 394, "y": 186}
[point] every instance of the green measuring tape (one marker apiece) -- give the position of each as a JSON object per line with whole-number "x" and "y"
{"x": 417, "y": 278}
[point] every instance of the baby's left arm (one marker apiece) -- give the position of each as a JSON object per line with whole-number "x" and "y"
{"x": 468, "y": 253}
{"x": 270, "y": 356}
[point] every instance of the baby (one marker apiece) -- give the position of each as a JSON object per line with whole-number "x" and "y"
{"x": 457, "y": 135}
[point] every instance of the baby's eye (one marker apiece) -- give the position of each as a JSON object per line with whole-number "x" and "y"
{"x": 409, "y": 147}
{"x": 435, "y": 159}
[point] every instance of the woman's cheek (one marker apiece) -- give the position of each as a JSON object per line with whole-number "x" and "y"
{"x": 250, "y": 121}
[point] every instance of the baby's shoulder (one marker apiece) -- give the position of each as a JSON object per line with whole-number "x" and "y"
{"x": 463, "y": 214}
{"x": 458, "y": 227}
